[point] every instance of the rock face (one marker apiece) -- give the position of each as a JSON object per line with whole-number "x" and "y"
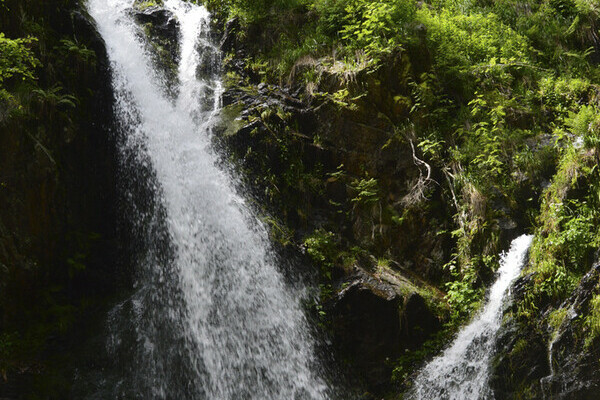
{"x": 552, "y": 362}
{"x": 309, "y": 159}
{"x": 522, "y": 357}
{"x": 228, "y": 40}
{"x": 335, "y": 148}
{"x": 575, "y": 372}
{"x": 374, "y": 322}
{"x": 161, "y": 21}
{"x": 160, "y": 31}
{"x": 366, "y": 324}
{"x": 58, "y": 211}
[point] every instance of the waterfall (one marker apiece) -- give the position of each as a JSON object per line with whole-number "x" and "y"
{"x": 462, "y": 371}
{"x": 211, "y": 316}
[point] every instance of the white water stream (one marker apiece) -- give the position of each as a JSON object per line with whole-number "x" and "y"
{"x": 211, "y": 317}
{"x": 462, "y": 371}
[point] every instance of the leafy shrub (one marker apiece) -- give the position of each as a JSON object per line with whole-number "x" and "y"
{"x": 322, "y": 248}
{"x": 462, "y": 41}
{"x": 253, "y": 10}
{"x": 563, "y": 94}
{"x": 463, "y": 298}
{"x": 377, "y": 26}
{"x": 17, "y": 66}
{"x": 585, "y": 124}
{"x": 461, "y": 294}
{"x": 366, "y": 192}
{"x": 17, "y": 61}
{"x": 592, "y": 320}
{"x": 568, "y": 233}
{"x": 333, "y": 16}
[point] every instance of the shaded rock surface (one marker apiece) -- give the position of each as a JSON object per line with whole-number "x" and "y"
{"x": 374, "y": 321}
{"x": 160, "y": 32}
{"x": 377, "y": 313}
{"x": 303, "y": 158}
{"x": 58, "y": 229}
{"x": 161, "y": 20}
{"x": 535, "y": 360}
{"x": 366, "y": 323}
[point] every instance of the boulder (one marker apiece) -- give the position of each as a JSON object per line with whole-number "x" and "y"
{"x": 209, "y": 64}
{"x": 160, "y": 30}
{"x": 576, "y": 372}
{"x": 375, "y": 321}
{"x": 366, "y": 321}
{"x": 228, "y": 41}
{"x": 163, "y": 21}
{"x": 525, "y": 352}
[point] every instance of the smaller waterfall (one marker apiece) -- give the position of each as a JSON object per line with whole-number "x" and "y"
{"x": 462, "y": 371}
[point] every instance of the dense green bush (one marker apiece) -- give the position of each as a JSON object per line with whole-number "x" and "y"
{"x": 488, "y": 81}
{"x": 252, "y": 10}
{"x": 376, "y": 27}
{"x": 16, "y": 59}
{"x": 466, "y": 40}
{"x": 17, "y": 67}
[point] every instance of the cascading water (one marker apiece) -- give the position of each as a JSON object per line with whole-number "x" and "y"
{"x": 211, "y": 316}
{"x": 462, "y": 371}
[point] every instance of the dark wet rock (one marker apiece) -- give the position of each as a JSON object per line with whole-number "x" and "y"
{"x": 58, "y": 207}
{"x": 520, "y": 363}
{"x": 509, "y": 230}
{"x": 162, "y": 21}
{"x": 366, "y": 322}
{"x": 228, "y": 41}
{"x": 521, "y": 352}
{"x": 160, "y": 31}
{"x": 418, "y": 322}
{"x": 209, "y": 64}
{"x": 535, "y": 360}
{"x": 375, "y": 318}
{"x": 576, "y": 366}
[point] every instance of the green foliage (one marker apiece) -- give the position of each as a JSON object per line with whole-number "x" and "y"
{"x": 48, "y": 102}
{"x": 17, "y": 61}
{"x": 7, "y": 345}
{"x": 77, "y": 52}
{"x": 365, "y": 192}
{"x": 376, "y": 27}
{"x": 333, "y": 15}
{"x": 557, "y": 317}
{"x": 279, "y": 232}
{"x": 563, "y": 94}
{"x": 253, "y": 10}
{"x": 17, "y": 67}
{"x": 321, "y": 246}
{"x": 462, "y": 294}
{"x": 568, "y": 232}
{"x": 142, "y": 4}
{"x": 585, "y": 124}
{"x": 463, "y": 299}
{"x": 463, "y": 42}
{"x": 592, "y": 320}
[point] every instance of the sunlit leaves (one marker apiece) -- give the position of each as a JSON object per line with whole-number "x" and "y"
{"x": 17, "y": 61}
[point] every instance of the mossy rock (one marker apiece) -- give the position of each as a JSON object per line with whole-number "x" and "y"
{"x": 143, "y": 5}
